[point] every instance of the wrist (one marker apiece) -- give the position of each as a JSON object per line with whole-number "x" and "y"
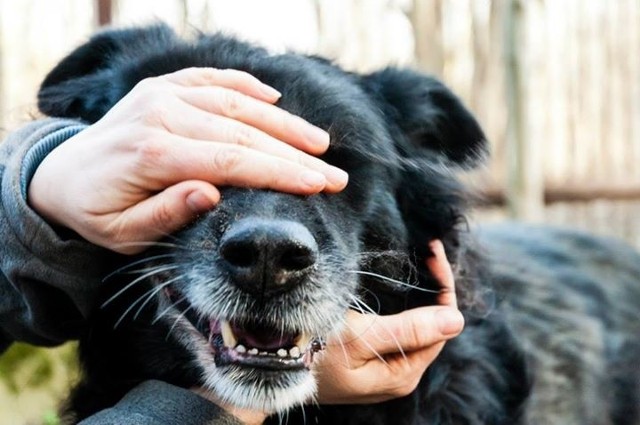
{"x": 40, "y": 150}
{"x": 36, "y": 189}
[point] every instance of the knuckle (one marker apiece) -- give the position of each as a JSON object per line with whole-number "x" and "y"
{"x": 303, "y": 159}
{"x": 404, "y": 389}
{"x": 150, "y": 100}
{"x": 194, "y": 70}
{"x": 154, "y": 110}
{"x": 148, "y": 153}
{"x": 416, "y": 335}
{"x": 408, "y": 388}
{"x": 277, "y": 175}
{"x": 149, "y": 84}
{"x": 231, "y": 103}
{"x": 244, "y": 136}
{"x": 208, "y": 76}
{"x": 227, "y": 159}
{"x": 114, "y": 234}
{"x": 161, "y": 215}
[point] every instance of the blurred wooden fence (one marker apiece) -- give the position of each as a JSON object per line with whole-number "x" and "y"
{"x": 577, "y": 88}
{"x": 555, "y": 83}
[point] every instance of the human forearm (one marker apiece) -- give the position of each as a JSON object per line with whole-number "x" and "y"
{"x": 46, "y": 282}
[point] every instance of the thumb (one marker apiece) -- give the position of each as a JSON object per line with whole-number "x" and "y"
{"x": 407, "y": 331}
{"x": 164, "y": 213}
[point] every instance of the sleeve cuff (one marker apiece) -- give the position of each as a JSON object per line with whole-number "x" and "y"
{"x": 156, "y": 402}
{"x": 40, "y": 150}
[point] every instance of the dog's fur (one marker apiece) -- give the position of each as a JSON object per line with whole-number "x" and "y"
{"x": 552, "y": 322}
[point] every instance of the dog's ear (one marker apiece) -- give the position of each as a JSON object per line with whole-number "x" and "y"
{"x": 90, "y": 80}
{"x": 433, "y": 119}
{"x": 434, "y": 134}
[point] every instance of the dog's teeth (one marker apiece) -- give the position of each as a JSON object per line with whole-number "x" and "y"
{"x": 241, "y": 349}
{"x": 228, "y": 337}
{"x": 253, "y": 351}
{"x": 263, "y": 353}
{"x": 294, "y": 352}
{"x": 303, "y": 342}
{"x": 282, "y": 352}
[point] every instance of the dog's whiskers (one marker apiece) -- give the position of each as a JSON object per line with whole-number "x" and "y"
{"x": 361, "y": 305}
{"x": 126, "y": 268}
{"x": 148, "y": 244}
{"x": 368, "y": 345}
{"x": 153, "y": 292}
{"x": 366, "y": 309}
{"x": 149, "y": 296}
{"x": 389, "y": 253}
{"x": 397, "y": 282}
{"x": 374, "y": 296}
{"x": 154, "y": 271}
{"x": 344, "y": 350}
{"x": 166, "y": 310}
{"x": 304, "y": 413}
{"x": 175, "y": 322}
{"x": 159, "y": 269}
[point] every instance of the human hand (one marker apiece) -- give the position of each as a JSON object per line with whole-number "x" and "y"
{"x": 366, "y": 363}
{"x": 151, "y": 164}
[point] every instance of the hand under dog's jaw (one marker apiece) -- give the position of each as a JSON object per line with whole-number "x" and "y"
{"x": 250, "y": 345}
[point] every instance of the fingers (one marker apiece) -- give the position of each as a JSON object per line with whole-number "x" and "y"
{"x": 175, "y": 159}
{"x": 160, "y": 215}
{"x": 277, "y": 122}
{"x": 242, "y": 97}
{"x": 441, "y": 270}
{"x": 200, "y": 125}
{"x": 384, "y": 357}
{"x": 269, "y": 146}
{"x": 229, "y": 78}
{"x": 407, "y": 331}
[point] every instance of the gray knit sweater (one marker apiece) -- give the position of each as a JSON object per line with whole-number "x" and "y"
{"x": 47, "y": 283}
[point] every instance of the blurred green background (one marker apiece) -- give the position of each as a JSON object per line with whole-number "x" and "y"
{"x": 33, "y": 381}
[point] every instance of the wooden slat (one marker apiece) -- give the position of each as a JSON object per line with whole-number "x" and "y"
{"x": 104, "y": 10}
{"x": 569, "y": 193}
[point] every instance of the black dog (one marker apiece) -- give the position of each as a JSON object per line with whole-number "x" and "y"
{"x": 242, "y": 301}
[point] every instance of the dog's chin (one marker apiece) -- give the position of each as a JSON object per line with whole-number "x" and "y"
{"x": 248, "y": 365}
{"x": 260, "y": 390}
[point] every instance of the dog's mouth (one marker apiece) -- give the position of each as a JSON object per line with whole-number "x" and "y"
{"x": 249, "y": 343}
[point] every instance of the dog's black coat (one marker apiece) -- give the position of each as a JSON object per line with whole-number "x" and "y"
{"x": 522, "y": 357}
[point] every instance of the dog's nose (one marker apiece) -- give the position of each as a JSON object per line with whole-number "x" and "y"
{"x": 268, "y": 257}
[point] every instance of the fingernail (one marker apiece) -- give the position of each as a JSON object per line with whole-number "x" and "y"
{"x": 336, "y": 176}
{"x": 449, "y": 321}
{"x": 313, "y": 179}
{"x": 198, "y": 202}
{"x": 316, "y": 135}
{"x": 270, "y": 92}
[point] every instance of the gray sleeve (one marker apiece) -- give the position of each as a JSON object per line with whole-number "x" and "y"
{"x": 158, "y": 403}
{"x": 47, "y": 282}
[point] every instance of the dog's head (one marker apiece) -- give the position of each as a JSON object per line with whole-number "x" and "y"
{"x": 247, "y": 293}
